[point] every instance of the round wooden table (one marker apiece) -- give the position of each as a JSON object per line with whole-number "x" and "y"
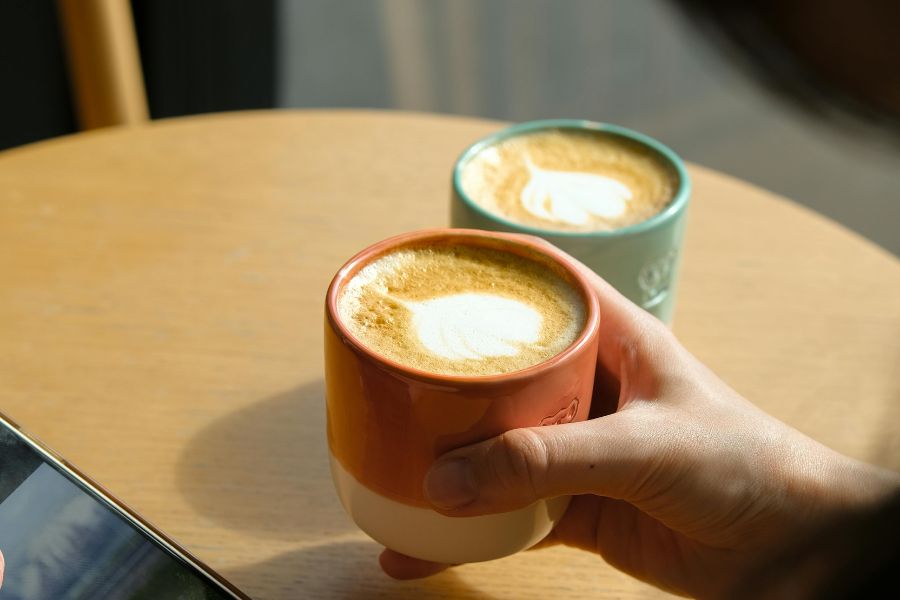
{"x": 161, "y": 326}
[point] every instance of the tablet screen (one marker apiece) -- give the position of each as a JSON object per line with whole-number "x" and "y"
{"x": 61, "y": 541}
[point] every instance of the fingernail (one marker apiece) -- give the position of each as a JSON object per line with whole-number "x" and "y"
{"x": 451, "y": 483}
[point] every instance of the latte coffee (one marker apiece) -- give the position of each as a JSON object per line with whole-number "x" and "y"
{"x": 570, "y": 179}
{"x": 462, "y": 309}
{"x": 429, "y": 337}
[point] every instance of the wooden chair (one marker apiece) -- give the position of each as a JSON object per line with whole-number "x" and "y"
{"x": 104, "y": 63}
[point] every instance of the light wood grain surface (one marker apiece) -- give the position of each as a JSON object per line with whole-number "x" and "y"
{"x": 161, "y": 292}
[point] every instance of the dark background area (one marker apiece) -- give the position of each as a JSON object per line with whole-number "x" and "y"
{"x": 197, "y": 56}
{"x": 35, "y": 100}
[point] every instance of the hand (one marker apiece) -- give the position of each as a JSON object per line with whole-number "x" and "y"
{"x": 683, "y": 484}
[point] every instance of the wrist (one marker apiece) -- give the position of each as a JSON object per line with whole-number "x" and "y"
{"x": 814, "y": 483}
{"x": 863, "y": 484}
{"x": 841, "y": 484}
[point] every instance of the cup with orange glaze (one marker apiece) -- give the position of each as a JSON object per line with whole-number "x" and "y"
{"x": 438, "y": 339}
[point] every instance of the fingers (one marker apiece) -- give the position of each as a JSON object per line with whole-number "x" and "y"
{"x": 632, "y": 341}
{"x": 400, "y": 566}
{"x": 628, "y": 333}
{"x": 596, "y": 457}
{"x": 630, "y": 336}
{"x": 2, "y": 568}
{"x": 627, "y": 539}
{"x": 619, "y": 307}
{"x": 513, "y": 470}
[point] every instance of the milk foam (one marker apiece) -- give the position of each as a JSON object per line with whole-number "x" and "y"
{"x": 461, "y": 310}
{"x": 572, "y": 197}
{"x": 570, "y": 180}
{"x": 474, "y": 325}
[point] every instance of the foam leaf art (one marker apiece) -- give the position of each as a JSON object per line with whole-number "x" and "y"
{"x": 474, "y": 325}
{"x": 572, "y": 197}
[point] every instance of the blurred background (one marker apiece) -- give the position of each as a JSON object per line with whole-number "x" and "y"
{"x": 665, "y": 68}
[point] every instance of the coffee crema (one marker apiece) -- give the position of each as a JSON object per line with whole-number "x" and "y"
{"x": 461, "y": 309}
{"x": 570, "y": 180}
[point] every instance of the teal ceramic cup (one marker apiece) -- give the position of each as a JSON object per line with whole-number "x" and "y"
{"x": 640, "y": 260}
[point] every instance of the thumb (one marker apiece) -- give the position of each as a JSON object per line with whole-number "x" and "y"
{"x": 604, "y": 456}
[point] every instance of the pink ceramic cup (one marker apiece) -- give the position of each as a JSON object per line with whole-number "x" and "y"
{"x": 387, "y": 422}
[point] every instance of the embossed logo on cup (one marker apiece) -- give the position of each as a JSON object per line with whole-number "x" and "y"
{"x": 655, "y": 278}
{"x": 564, "y": 415}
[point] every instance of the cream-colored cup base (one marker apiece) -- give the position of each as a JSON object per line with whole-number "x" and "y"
{"x": 428, "y": 535}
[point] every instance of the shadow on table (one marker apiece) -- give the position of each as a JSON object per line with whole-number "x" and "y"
{"x": 264, "y": 469}
{"x": 344, "y": 569}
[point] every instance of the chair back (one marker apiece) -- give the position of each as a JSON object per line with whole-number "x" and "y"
{"x": 104, "y": 63}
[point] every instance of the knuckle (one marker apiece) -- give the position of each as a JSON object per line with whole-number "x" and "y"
{"x": 524, "y": 462}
